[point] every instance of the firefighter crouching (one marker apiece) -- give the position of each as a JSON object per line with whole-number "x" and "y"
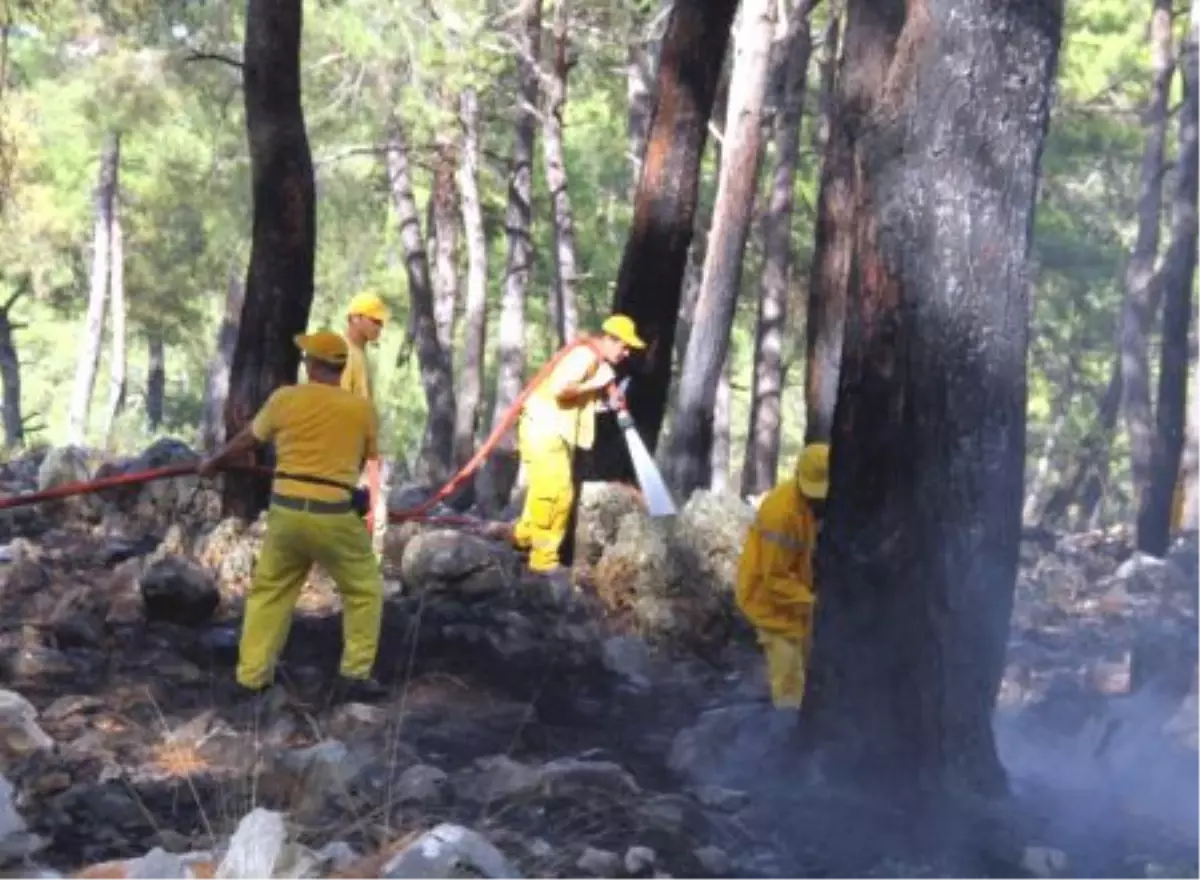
{"x": 323, "y": 433}
{"x": 558, "y": 418}
{"x": 775, "y": 587}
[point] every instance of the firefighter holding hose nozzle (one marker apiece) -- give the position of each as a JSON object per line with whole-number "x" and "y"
{"x": 558, "y": 418}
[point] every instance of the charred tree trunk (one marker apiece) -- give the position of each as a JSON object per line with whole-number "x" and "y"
{"x": 279, "y": 281}
{"x": 437, "y": 453}
{"x": 1140, "y": 296}
{"x": 1177, "y": 279}
{"x": 690, "y": 451}
{"x": 443, "y": 241}
{"x": 93, "y": 328}
{"x": 766, "y": 391}
{"x": 497, "y": 478}
{"x": 565, "y": 264}
{"x": 651, "y": 275}
{"x": 10, "y": 376}
{"x": 118, "y": 366}
{"x": 470, "y": 369}
{"x": 156, "y": 379}
{"x": 639, "y": 81}
{"x": 216, "y": 380}
{"x": 944, "y": 107}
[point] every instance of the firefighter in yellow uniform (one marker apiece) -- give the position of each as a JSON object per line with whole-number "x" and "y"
{"x": 558, "y": 418}
{"x": 365, "y": 318}
{"x": 321, "y": 432}
{"x": 775, "y": 575}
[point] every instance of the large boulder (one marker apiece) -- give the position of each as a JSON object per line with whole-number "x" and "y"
{"x": 63, "y": 465}
{"x": 444, "y": 559}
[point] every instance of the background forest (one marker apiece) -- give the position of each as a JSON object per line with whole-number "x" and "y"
{"x": 127, "y": 213}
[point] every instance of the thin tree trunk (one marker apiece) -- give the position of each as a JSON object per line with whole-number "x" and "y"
{"x": 497, "y": 478}
{"x": 93, "y": 329}
{"x": 1190, "y": 467}
{"x": 650, "y": 279}
{"x": 470, "y": 370}
{"x": 216, "y": 379}
{"x": 443, "y": 241}
{"x": 10, "y": 376}
{"x": 279, "y": 280}
{"x": 437, "y": 453}
{"x": 1177, "y": 279}
{"x": 1140, "y": 298}
{"x": 830, "y": 38}
{"x": 118, "y": 368}
{"x": 722, "y": 448}
{"x": 565, "y": 263}
{"x": 156, "y": 379}
{"x": 946, "y": 104}
{"x": 690, "y": 451}
{"x": 766, "y": 391}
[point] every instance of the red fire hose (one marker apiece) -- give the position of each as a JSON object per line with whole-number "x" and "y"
{"x": 87, "y": 487}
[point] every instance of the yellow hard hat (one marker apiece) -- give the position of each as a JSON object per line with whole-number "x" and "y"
{"x": 324, "y": 345}
{"x": 812, "y": 471}
{"x": 622, "y": 327}
{"x": 369, "y": 305}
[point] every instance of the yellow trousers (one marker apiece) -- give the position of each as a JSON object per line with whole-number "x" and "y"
{"x": 296, "y": 539}
{"x": 787, "y": 660}
{"x": 547, "y": 511}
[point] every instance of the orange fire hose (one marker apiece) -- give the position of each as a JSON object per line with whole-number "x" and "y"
{"x": 87, "y": 487}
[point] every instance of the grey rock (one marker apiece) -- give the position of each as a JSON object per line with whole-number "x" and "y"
{"x": 496, "y": 778}
{"x": 629, "y": 657}
{"x": 449, "y": 851}
{"x": 599, "y": 862}
{"x": 255, "y": 847}
{"x": 422, "y": 783}
{"x": 639, "y": 860}
{"x": 714, "y": 860}
{"x": 19, "y": 731}
{"x": 177, "y": 590}
{"x": 567, "y": 776}
{"x": 448, "y": 560}
{"x": 716, "y": 797}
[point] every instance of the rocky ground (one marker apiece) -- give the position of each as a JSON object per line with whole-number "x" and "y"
{"x": 619, "y": 729}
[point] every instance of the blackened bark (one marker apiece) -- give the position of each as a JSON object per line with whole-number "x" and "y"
{"x": 118, "y": 366}
{"x": 279, "y": 280}
{"x": 918, "y": 555}
{"x": 1140, "y": 295}
{"x": 1177, "y": 278}
{"x": 651, "y": 275}
{"x": 92, "y": 337}
{"x": 498, "y": 476}
{"x": 156, "y": 379}
{"x": 443, "y": 242}
{"x": 690, "y": 451}
{"x": 437, "y": 452}
{"x": 766, "y": 391}
{"x": 470, "y": 369}
{"x": 216, "y": 379}
{"x": 565, "y": 262}
{"x": 10, "y": 376}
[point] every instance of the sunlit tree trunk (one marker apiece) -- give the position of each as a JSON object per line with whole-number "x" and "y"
{"x": 497, "y": 478}
{"x": 279, "y": 281}
{"x": 470, "y": 368}
{"x": 1141, "y": 300}
{"x": 156, "y": 379}
{"x": 118, "y": 363}
{"x": 766, "y": 392}
{"x": 1177, "y": 278}
{"x": 216, "y": 379}
{"x": 690, "y": 448}
{"x": 437, "y": 452}
{"x": 565, "y": 262}
{"x": 92, "y": 338}
{"x": 443, "y": 241}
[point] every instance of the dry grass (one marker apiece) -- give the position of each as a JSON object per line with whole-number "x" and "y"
{"x": 178, "y": 760}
